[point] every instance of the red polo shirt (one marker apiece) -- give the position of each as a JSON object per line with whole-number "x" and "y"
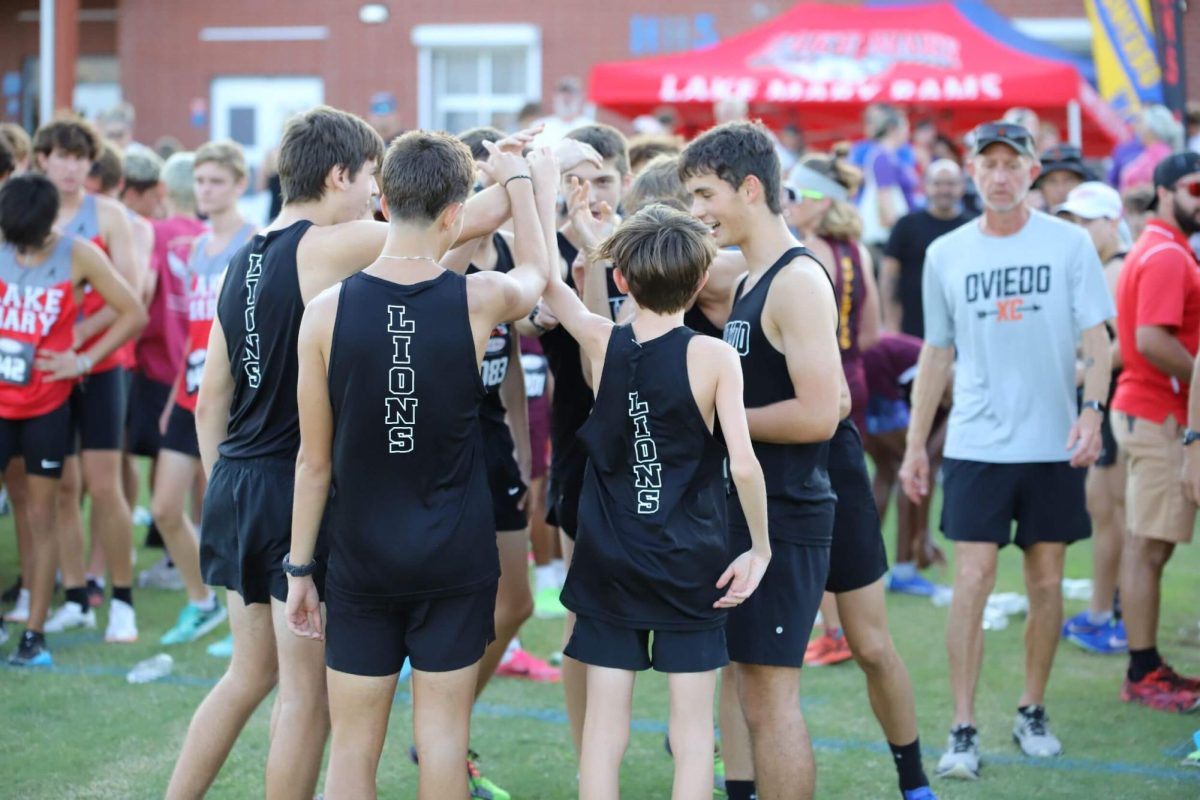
{"x": 1159, "y": 285}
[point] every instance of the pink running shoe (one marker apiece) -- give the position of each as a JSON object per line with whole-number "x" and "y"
{"x": 530, "y": 667}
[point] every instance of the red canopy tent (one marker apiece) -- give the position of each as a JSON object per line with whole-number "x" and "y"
{"x": 818, "y": 66}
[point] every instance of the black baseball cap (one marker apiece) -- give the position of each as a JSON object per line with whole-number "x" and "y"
{"x": 1171, "y": 169}
{"x": 1065, "y": 158}
{"x": 1015, "y": 136}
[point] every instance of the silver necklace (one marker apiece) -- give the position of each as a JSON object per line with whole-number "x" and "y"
{"x": 409, "y": 258}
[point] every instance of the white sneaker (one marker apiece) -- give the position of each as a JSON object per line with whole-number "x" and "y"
{"x": 122, "y": 623}
{"x": 161, "y": 576}
{"x": 70, "y": 615}
{"x": 142, "y": 516}
{"x": 19, "y": 612}
{"x": 1031, "y": 731}
{"x": 961, "y": 759}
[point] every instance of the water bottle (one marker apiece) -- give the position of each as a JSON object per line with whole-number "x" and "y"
{"x": 151, "y": 669}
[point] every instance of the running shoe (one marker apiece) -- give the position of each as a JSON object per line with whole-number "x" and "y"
{"x": 1105, "y": 639}
{"x": 122, "y": 623}
{"x": 193, "y": 623}
{"x": 10, "y": 594}
{"x": 524, "y": 665}
{"x": 1031, "y": 731}
{"x": 1180, "y": 681}
{"x": 547, "y": 605}
{"x": 3, "y": 632}
{"x": 825, "y": 651}
{"x": 20, "y": 611}
{"x": 221, "y": 649}
{"x": 70, "y": 615}
{"x": 162, "y": 575}
{"x": 920, "y": 793}
{"x": 917, "y": 585}
{"x": 961, "y": 759}
{"x": 1162, "y": 690}
{"x": 31, "y": 652}
{"x": 481, "y": 787}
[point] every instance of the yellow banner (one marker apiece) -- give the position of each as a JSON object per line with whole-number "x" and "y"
{"x": 1125, "y": 53}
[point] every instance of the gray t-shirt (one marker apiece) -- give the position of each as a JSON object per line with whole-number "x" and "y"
{"x": 1013, "y": 307}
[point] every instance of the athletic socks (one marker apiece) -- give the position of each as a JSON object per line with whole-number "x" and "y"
{"x": 545, "y": 577}
{"x": 79, "y": 597}
{"x": 908, "y": 765}
{"x": 904, "y": 571}
{"x": 123, "y": 593}
{"x": 560, "y": 571}
{"x": 834, "y": 633}
{"x": 1143, "y": 662}
{"x": 1099, "y": 619}
{"x": 740, "y": 790}
{"x": 207, "y": 604}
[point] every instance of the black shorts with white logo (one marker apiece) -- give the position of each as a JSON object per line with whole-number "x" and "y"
{"x": 772, "y": 627}
{"x": 181, "y": 432}
{"x": 43, "y": 441}
{"x": 371, "y": 636}
{"x": 857, "y": 557}
{"x": 147, "y": 399}
{"x": 247, "y": 528}
{"x": 98, "y": 411}
{"x": 982, "y": 500}
{"x": 602, "y": 644}
{"x": 504, "y": 476}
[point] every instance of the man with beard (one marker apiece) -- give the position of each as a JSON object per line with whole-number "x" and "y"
{"x": 1158, "y": 324}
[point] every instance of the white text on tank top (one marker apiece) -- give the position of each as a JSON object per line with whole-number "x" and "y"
{"x": 252, "y": 350}
{"x": 647, "y": 471}
{"x": 400, "y": 407}
{"x": 495, "y": 366}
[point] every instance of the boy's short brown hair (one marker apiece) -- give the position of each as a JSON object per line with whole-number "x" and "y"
{"x": 225, "y": 153}
{"x": 664, "y": 254}
{"x": 18, "y": 141}
{"x": 647, "y": 147}
{"x": 475, "y": 137}
{"x": 732, "y": 152}
{"x": 72, "y": 135}
{"x": 318, "y": 140}
{"x": 109, "y": 168}
{"x": 423, "y": 173}
{"x": 607, "y": 141}
{"x": 658, "y": 183}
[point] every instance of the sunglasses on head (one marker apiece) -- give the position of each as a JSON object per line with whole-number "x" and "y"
{"x": 1191, "y": 187}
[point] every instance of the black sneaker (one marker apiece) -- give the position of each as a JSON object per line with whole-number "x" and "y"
{"x": 11, "y": 593}
{"x": 31, "y": 652}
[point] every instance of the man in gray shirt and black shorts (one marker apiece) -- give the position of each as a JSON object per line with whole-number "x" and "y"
{"x": 1014, "y": 294}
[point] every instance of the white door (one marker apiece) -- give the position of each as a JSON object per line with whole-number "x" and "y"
{"x": 252, "y": 110}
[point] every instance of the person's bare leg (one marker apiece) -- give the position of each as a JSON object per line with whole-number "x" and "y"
{"x": 18, "y": 499}
{"x": 359, "y": 708}
{"x": 301, "y": 723}
{"x": 606, "y": 733}
{"x": 541, "y": 535}
{"x": 691, "y": 732}
{"x": 831, "y": 619}
{"x": 1142, "y": 564}
{"x": 735, "y": 735}
{"x": 1043, "y": 625}
{"x": 974, "y": 577}
{"x": 223, "y": 713}
{"x": 514, "y": 601}
{"x": 1106, "y": 505}
{"x": 111, "y": 519}
{"x": 68, "y": 533}
{"x": 442, "y": 729}
{"x": 41, "y": 498}
{"x": 173, "y": 481}
{"x": 783, "y": 757}
{"x": 864, "y": 615}
{"x": 130, "y": 480}
{"x": 574, "y": 674}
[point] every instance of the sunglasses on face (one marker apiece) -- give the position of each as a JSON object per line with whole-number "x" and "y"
{"x": 1192, "y": 188}
{"x": 810, "y": 194}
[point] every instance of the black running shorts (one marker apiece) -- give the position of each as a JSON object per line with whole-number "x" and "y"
{"x": 43, "y": 441}
{"x": 566, "y": 485}
{"x": 982, "y": 500}
{"x": 504, "y": 476}
{"x": 147, "y": 399}
{"x": 247, "y": 528}
{"x": 857, "y": 557}
{"x": 371, "y": 636}
{"x": 772, "y": 627}
{"x": 602, "y": 644}
{"x": 98, "y": 411}
{"x": 181, "y": 432}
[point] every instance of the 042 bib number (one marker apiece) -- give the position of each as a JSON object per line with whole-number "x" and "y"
{"x": 16, "y": 362}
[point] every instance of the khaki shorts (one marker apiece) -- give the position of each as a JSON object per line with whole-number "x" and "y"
{"x": 1155, "y": 504}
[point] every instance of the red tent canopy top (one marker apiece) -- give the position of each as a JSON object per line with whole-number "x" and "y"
{"x": 818, "y": 65}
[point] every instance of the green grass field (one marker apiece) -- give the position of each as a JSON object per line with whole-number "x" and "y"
{"x": 78, "y": 730}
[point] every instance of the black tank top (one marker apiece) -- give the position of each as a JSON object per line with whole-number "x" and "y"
{"x": 696, "y": 319}
{"x": 260, "y": 308}
{"x": 496, "y": 356}
{"x": 796, "y": 477}
{"x": 411, "y": 511}
{"x": 652, "y": 521}
{"x": 572, "y": 399}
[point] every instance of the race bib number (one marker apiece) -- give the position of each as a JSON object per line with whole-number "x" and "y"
{"x": 16, "y": 362}
{"x": 195, "y": 371}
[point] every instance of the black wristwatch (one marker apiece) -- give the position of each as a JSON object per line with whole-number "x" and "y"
{"x": 1190, "y": 436}
{"x": 532, "y": 318}
{"x": 1094, "y": 405}
{"x": 301, "y": 571}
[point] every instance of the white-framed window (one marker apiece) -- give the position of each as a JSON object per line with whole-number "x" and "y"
{"x": 469, "y": 75}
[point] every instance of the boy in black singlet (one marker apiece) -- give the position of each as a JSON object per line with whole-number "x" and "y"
{"x": 652, "y": 553}
{"x": 783, "y": 325}
{"x": 389, "y": 398}
{"x": 248, "y": 430}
